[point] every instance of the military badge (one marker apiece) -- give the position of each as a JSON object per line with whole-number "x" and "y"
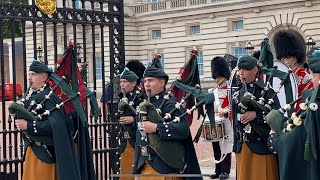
{"x": 47, "y": 7}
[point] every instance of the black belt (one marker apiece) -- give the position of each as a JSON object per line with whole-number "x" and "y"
{"x": 40, "y": 144}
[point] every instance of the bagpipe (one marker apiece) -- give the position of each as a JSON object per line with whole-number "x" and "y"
{"x": 31, "y": 115}
{"x": 276, "y": 74}
{"x": 126, "y": 108}
{"x": 280, "y": 123}
{"x": 185, "y": 90}
{"x": 68, "y": 86}
{"x": 176, "y": 159}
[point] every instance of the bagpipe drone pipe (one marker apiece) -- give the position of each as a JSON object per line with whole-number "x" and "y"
{"x": 279, "y": 122}
{"x": 188, "y": 75}
{"x": 67, "y": 85}
{"x": 149, "y": 112}
{"x": 185, "y": 91}
{"x": 248, "y": 102}
{"x": 127, "y": 108}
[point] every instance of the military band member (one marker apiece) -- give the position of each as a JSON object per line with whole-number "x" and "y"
{"x": 221, "y": 74}
{"x": 290, "y": 51}
{"x": 54, "y": 158}
{"x": 133, "y": 65}
{"x": 292, "y": 146}
{"x": 128, "y": 84}
{"x": 148, "y": 160}
{"x": 254, "y": 160}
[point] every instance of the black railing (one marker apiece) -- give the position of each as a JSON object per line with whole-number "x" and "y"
{"x": 88, "y": 24}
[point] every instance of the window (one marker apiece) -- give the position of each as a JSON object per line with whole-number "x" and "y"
{"x": 156, "y": 34}
{"x": 98, "y": 68}
{"x": 78, "y": 4}
{"x": 154, "y": 1}
{"x": 195, "y": 29}
{"x": 97, "y": 37}
{"x": 200, "y": 63}
{"x": 237, "y": 25}
{"x": 239, "y": 52}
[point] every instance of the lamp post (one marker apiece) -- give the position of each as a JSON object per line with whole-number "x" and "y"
{"x": 39, "y": 51}
{"x": 310, "y": 43}
{"x": 249, "y": 48}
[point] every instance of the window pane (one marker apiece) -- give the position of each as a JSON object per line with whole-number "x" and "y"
{"x": 237, "y": 25}
{"x": 98, "y": 69}
{"x": 239, "y": 52}
{"x": 78, "y": 4}
{"x": 156, "y": 34}
{"x": 195, "y": 29}
{"x": 200, "y": 63}
{"x": 97, "y": 37}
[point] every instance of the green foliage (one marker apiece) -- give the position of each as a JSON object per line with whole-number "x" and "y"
{"x": 12, "y": 28}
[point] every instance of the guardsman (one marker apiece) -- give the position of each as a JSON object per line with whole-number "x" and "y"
{"x": 298, "y": 146}
{"x": 53, "y": 156}
{"x": 163, "y": 159}
{"x": 221, "y": 74}
{"x": 291, "y": 51}
{"x": 254, "y": 160}
{"x": 131, "y": 94}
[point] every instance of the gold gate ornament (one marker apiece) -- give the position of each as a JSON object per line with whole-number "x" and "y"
{"x": 47, "y": 7}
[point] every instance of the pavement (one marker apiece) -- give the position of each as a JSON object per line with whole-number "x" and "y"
{"x": 205, "y": 155}
{"x": 208, "y": 166}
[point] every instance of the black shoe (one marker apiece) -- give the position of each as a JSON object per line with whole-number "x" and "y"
{"x": 214, "y": 176}
{"x": 224, "y": 175}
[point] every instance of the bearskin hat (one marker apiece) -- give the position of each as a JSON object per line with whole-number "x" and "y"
{"x": 287, "y": 45}
{"x": 220, "y": 68}
{"x": 137, "y": 67}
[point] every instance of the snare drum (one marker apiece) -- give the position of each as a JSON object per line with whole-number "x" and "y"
{"x": 207, "y": 133}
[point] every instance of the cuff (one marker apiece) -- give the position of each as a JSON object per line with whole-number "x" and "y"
{"x": 163, "y": 131}
{"x": 32, "y": 127}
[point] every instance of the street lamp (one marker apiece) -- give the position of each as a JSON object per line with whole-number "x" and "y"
{"x": 78, "y": 52}
{"x": 310, "y": 44}
{"x": 39, "y": 51}
{"x": 249, "y": 48}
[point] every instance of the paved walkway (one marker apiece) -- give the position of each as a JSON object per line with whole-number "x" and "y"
{"x": 204, "y": 152}
{"x": 208, "y": 167}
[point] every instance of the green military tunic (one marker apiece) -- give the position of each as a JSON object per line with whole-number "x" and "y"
{"x": 290, "y": 147}
{"x": 56, "y": 143}
{"x": 254, "y": 160}
{"x": 131, "y": 128}
{"x": 168, "y": 132}
{"x": 128, "y": 138}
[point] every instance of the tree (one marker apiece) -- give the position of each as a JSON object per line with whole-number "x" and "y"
{"x": 6, "y": 24}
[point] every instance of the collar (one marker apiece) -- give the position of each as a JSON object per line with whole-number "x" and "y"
{"x": 41, "y": 89}
{"x": 158, "y": 96}
{"x": 260, "y": 84}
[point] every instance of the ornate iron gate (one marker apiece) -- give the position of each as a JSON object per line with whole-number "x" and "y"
{"x": 97, "y": 29}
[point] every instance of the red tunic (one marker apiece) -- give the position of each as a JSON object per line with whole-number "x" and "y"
{"x": 224, "y": 98}
{"x": 303, "y": 79}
